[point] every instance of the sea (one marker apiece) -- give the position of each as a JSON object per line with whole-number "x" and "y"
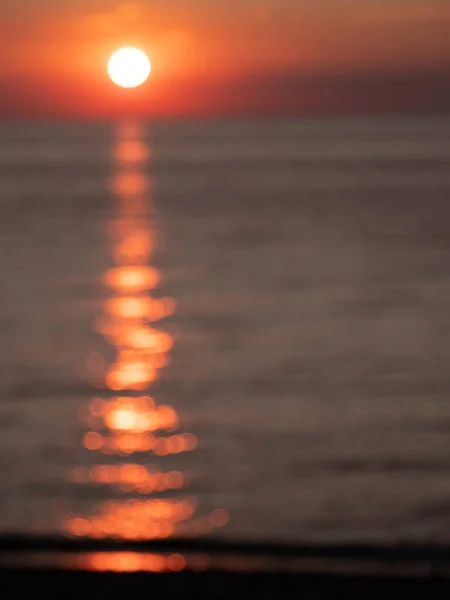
{"x": 237, "y": 329}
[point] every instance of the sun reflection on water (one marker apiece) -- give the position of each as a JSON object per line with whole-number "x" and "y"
{"x": 130, "y": 562}
{"x": 125, "y": 424}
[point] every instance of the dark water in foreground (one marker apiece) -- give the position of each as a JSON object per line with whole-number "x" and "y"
{"x": 280, "y": 290}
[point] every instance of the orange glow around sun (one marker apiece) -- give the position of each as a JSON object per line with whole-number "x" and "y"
{"x": 129, "y": 67}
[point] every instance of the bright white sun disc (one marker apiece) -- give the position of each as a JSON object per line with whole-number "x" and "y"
{"x": 129, "y": 67}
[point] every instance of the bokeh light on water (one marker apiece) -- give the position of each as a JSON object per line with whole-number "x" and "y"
{"x": 128, "y": 430}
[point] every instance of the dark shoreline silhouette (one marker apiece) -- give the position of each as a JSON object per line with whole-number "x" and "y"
{"x": 254, "y": 570}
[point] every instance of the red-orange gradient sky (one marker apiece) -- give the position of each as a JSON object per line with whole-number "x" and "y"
{"x": 226, "y": 56}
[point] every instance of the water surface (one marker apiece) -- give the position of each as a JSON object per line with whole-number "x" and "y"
{"x": 280, "y": 291}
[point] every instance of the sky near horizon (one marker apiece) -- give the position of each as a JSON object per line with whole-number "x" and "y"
{"x": 228, "y": 54}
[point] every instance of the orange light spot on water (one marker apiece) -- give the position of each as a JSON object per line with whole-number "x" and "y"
{"x": 129, "y": 562}
{"x": 97, "y": 407}
{"x": 146, "y": 488}
{"x": 131, "y": 151}
{"x": 93, "y": 422}
{"x": 134, "y": 248}
{"x": 157, "y": 564}
{"x": 169, "y": 305}
{"x": 146, "y": 443}
{"x": 190, "y": 440}
{"x": 165, "y": 529}
{"x": 132, "y": 278}
{"x": 133, "y": 376}
{"x": 130, "y": 183}
{"x": 78, "y": 526}
{"x": 128, "y": 444}
{"x": 167, "y": 417}
{"x": 130, "y": 308}
{"x": 146, "y": 338}
{"x": 131, "y": 473}
{"x": 104, "y": 473}
{"x": 130, "y": 416}
{"x": 97, "y": 530}
{"x": 93, "y": 441}
{"x": 184, "y": 510}
{"x": 132, "y": 477}
{"x": 180, "y": 444}
{"x": 176, "y": 562}
{"x": 160, "y": 447}
{"x": 219, "y": 517}
{"x": 175, "y": 444}
{"x": 136, "y": 519}
{"x": 138, "y": 415}
{"x": 123, "y": 419}
{"x": 174, "y": 480}
{"x": 161, "y": 360}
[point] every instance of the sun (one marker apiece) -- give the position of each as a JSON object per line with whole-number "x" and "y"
{"x": 129, "y": 67}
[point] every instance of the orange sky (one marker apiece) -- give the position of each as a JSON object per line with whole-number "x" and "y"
{"x": 226, "y": 55}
